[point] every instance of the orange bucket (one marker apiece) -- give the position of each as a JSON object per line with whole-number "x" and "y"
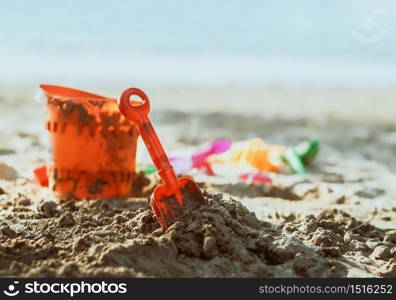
{"x": 92, "y": 146}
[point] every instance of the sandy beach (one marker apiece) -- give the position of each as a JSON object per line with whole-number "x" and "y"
{"x": 339, "y": 220}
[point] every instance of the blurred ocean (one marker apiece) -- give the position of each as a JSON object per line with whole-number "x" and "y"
{"x": 339, "y": 42}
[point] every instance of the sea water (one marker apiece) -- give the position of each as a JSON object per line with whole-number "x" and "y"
{"x": 341, "y": 42}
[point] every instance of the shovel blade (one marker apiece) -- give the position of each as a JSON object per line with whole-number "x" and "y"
{"x": 168, "y": 208}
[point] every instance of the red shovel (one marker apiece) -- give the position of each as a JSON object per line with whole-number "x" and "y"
{"x": 175, "y": 196}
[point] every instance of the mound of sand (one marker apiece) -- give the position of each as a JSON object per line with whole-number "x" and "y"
{"x": 42, "y": 237}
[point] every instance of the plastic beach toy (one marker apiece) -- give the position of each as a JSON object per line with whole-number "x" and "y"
{"x": 175, "y": 196}
{"x": 150, "y": 169}
{"x": 300, "y": 156}
{"x": 199, "y": 160}
{"x": 92, "y": 146}
{"x": 294, "y": 161}
{"x": 307, "y": 150}
{"x": 255, "y": 178}
{"x": 182, "y": 164}
{"x": 41, "y": 176}
{"x": 249, "y": 156}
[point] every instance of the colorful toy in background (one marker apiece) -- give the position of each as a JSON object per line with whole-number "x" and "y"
{"x": 255, "y": 178}
{"x": 199, "y": 160}
{"x": 300, "y": 156}
{"x": 248, "y": 160}
{"x": 41, "y": 176}
{"x": 256, "y": 155}
{"x": 249, "y": 156}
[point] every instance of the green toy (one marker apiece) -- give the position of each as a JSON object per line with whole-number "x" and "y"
{"x": 301, "y": 155}
{"x": 150, "y": 169}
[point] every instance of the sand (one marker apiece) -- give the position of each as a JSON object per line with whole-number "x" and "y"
{"x": 42, "y": 237}
{"x": 339, "y": 220}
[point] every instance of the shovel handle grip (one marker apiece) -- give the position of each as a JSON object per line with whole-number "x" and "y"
{"x": 134, "y": 111}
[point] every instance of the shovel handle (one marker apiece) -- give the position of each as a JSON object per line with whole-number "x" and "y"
{"x": 138, "y": 113}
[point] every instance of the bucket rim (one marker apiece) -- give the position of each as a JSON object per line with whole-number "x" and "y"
{"x": 71, "y": 93}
